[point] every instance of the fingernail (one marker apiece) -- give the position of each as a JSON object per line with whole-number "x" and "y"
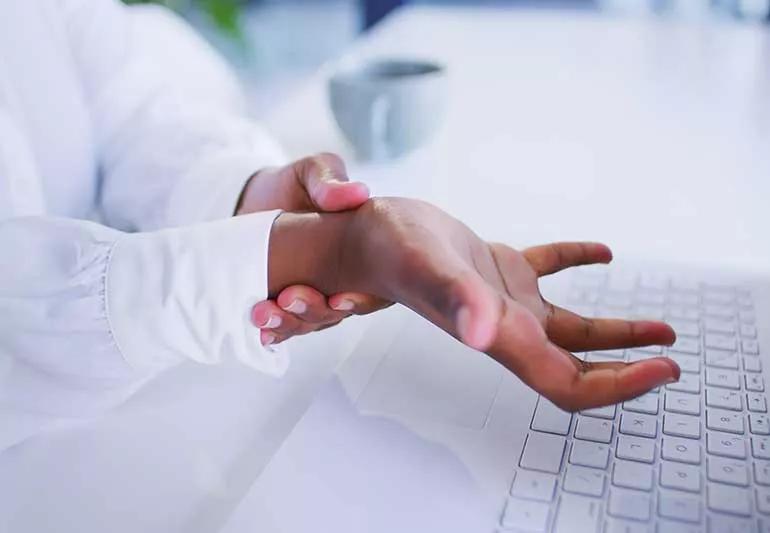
{"x": 268, "y": 339}
{"x": 297, "y": 307}
{"x": 272, "y": 322}
{"x": 344, "y": 305}
{"x": 464, "y": 323}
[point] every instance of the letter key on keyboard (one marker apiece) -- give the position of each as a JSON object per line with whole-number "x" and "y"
{"x": 639, "y": 425}
{"x": 533, "y": 485}
{"x": 543, "y": 452}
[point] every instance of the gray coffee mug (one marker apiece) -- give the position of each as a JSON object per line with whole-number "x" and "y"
{"x": 388, "y": 107}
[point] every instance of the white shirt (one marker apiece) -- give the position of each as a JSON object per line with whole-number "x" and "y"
{"x": 119, "y": 115}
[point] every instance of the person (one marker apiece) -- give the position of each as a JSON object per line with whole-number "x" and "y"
{"x": 125, "y": 153}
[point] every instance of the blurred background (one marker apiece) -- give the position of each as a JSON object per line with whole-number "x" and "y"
{"x": 275, "y": 44}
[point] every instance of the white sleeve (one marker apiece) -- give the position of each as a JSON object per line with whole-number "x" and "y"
{"x": 89, "y": 312}
{"x": 174, "y": 143}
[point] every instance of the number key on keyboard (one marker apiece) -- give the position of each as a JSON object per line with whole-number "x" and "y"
{"x": 681, "y": 426}
{"x": 632, "y": 475}
{"x": 721, "y": 420}
{"x": 727, "y": 379}
{"x": 723, "y": 398}
{"x": 722, "y": 359}
{"x": 725, "y": 445}
{"x": 677, "y": 402}
{"x": 639, "y": 425}
{"x": 687, "y": 383}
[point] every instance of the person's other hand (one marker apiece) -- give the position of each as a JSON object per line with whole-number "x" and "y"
{"x": 484, "y": 294}
{"x": 319, "y": 183}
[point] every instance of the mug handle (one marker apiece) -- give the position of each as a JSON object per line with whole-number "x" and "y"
{"x": 379, "y": 127}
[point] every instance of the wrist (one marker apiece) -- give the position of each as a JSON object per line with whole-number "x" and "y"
{"x": 306, "y": 249}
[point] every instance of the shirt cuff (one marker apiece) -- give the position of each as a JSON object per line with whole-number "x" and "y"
{"x": 187, "y": 293}
{"x": 211, "y": 190}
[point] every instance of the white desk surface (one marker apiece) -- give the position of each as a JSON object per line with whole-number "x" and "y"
{"x": 652, "y": 136}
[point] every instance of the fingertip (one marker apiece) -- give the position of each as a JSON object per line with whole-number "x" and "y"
{"x": 339, "y": 196}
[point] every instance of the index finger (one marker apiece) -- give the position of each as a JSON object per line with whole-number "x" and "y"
{"x": 522, "y": 346}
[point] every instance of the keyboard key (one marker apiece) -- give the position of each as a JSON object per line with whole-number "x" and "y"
{"x": 525, "y": 515}
{"x": 723, "y": 399}
{"x": 759, "y": 424}
{"x": 725, "y": 445}
{"x": 591, "y": 454}
{"x": 550, "y": 419}
{"x": 719, "y": 325}
{"x": 543, "y": 452}
{"x": 629, "y": 504}
{"x": 763, "y": 500}
{"x": 720, "y": 341}
{"x": 762, "y": 473}
{"x": 748, "y": 331}
{"x": 533, "y": 485}
{"x": 686, "y": 345}
{"x": 635, "y": 449}
{"x": 617, "y": 355}
{"x": 723, "y": 378}
{"x": 721, "y": 420}
{"x": 754, "y": 382}
{"x": 615, "y": 525}
{"x": 582, "y": 480}
{"x": 686, "y": 328}
{"x": 722, "y": 359}
{"x": 679, "y": 507}
{"x": 688, "y": 363}
{"x": 752, "y": 364}
{"x": 727, "y": 471}
{"x": 668, "y": 526}
{"x": 646, "y": 403}
{"x": 632, "y": 475}
{"x": 750, "y": 347}
{"x": 687, "y": 383}
{"x": 680, "y": 476}
{"x": 756, "y": 402}
{"x": 683, "y": 312}
{"x": 760, "y": 447}
{"x": 720, "y": 299}
{"x": 639, "y": 425}
{"x": 577, "y": 513}
{"x": 747, "y": 316}
{"x": 681, "y": 426}
{"x": 648, "y": 312}
{"x": 719, "y": 311}
{"x": 729, "y": 524}
{"x": 594, "y": 429}
{"x": 606, "y": 412}
{"x": 726, "y": 499}
{"x": 682, "y": 450}
{"x": 677, "y": 402}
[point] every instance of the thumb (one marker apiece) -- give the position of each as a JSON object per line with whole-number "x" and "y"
{"x": 478, "y": 312}
{"x": 325, "y": 181}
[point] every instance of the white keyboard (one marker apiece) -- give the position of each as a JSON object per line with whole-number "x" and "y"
{"x": 691, "y": 457}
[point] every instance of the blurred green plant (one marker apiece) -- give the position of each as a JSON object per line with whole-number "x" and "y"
{"x": 225, "y": 15}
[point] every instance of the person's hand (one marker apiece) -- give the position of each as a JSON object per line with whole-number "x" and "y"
{"x": 484, "y": 294}
{"x": 319, "y": 183}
